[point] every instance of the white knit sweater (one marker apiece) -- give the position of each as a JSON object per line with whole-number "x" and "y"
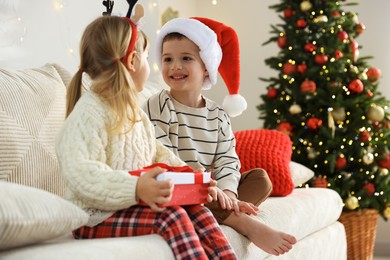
{"x": 95, "y": 164}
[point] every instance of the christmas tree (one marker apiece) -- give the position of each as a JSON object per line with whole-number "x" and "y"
{"x": 325, "y": 97}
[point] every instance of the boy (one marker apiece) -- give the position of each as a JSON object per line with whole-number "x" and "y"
{"x": 198, "y": 129}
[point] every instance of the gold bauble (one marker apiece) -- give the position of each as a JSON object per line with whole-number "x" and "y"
{"x": 295, "y": 109}
{"x": 368, "y": 158}
{"x": 306, "y": 5}
{"x": 339, "y": 114}
{"x": 351, "y": 203}
{"x": 376, "y": 113}
{"x": 383, "y": 172}
{"x": 386, "y": 212}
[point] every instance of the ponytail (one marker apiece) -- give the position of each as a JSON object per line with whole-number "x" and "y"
{"x": 73, "y": 92}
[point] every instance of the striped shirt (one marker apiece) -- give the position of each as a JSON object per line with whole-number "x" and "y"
{"x": 202, "y": 137}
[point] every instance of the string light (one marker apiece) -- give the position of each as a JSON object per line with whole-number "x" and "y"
{"x": 214, "y": 2}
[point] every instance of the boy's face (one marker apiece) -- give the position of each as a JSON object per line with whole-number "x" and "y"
{"x": 182, "y": 68}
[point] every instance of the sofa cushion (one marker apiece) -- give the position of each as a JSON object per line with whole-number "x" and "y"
{"x": 270, "y": 150}
{"x": 29, "y": 215}
{"x": 300, "y": 174}
{"x": 32, "y": 109}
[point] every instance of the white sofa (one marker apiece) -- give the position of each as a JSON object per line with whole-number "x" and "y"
{"x": 36, "y": 223}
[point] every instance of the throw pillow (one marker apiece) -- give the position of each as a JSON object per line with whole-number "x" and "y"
{"x": 32, "y": 109}
{"x": 300, "y": 174}
{"x": 29, "y": 215}
{"x": 270, "y": 150}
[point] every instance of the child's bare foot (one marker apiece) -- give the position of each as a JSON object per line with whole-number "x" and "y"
{"x": 271, "y": 241}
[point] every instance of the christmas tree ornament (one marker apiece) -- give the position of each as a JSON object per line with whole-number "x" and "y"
{"x": 369, "y": 93}
{"x": 308, "y": 86}
{"x": 363, "y": 76}
{"x": 301, "y": 23}
{"x": 272, "y": 93}
{"x": 383, "y": 172}
{"x": 314, "y": 123}
{"x": 288, "y": 12}
{"x": 305, "y": 5}
{"x": 351, "y": 203}
{"x": 295, "y": 109}
{"x": 285, "y": 127}
{"x": 336, "y": 13}
{"x": 282, "y": 41}
{"x": 321, "y": 59}
{"x": 373, "y": 74}
{"x": 364, "y": 136}
{"x": 384, "y": 161}
{"x": 356, "y": 86}
{"x": 370, "y": 188}
{"x": 311, "y": 154}
{"x": 386, "y": 212}
{"x": 342, "y": 35}
{"x": 341, "y": 162}
{"x": 289, "y": 68}
{"x": 375, "y": 113}
{"x": 360, "y": 28}
{"x": 321, "y": 19}
{"x": 368, "y": 158}
{"x": 338, "y": 54}
{"x": 301, "y": 68}
{"x": 339, "y": 114}
{"x": 319, "y": 182}
{"x": 309, "y": 47}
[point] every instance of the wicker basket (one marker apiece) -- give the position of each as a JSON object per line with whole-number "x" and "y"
{"x": 360, "y": 227}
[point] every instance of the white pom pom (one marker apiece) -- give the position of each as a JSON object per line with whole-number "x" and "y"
{"x": 234, "y": 105}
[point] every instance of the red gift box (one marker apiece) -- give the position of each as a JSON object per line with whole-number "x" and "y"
{"x": 190, "y": 186}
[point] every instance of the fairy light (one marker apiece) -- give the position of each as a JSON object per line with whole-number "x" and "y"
{"x": 214, "y": 2}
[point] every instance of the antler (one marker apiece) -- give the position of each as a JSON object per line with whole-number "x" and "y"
{"x": 131, "y": 6}
{"x": 109, "y": 6}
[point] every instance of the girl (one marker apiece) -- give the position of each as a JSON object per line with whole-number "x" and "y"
{"x": 106, "y": 135}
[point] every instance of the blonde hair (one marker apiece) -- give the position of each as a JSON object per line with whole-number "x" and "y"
{"x": 103, "y": 44}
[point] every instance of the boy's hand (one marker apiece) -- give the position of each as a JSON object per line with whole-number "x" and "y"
{"x": 239, "y": 206}
{"x": 154, "y": 192}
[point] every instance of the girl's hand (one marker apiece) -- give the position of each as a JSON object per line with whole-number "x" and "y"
{"x": 154, "y": 192}
{"x": 239, "y": 206}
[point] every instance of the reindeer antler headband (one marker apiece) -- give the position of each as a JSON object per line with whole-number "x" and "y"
{"x": 138, "y": 14}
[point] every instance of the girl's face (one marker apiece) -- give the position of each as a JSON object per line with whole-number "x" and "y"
{"x": 142, "y": 70}
{"x": 182, "y": 68}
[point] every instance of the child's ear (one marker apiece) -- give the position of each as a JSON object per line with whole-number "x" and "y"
{"x": 131, "y": 61}
{"x": 206, "y": 73}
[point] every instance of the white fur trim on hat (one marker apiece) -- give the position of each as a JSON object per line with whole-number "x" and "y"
{"x": 234, "y": 105}
{"x": 201, "y": 35}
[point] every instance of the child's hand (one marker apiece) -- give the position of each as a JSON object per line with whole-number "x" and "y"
{"x": 154, "y": 192}
{"x": 213, "y": 191}
{"x": 239, "y": 206}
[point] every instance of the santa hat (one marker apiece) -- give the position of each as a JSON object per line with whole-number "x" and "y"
{"x": 219, "y": 50}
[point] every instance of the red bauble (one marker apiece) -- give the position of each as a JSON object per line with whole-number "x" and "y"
{"x": 289, "y": 68}
{"x": 301, "y": 23}
{"x": 373, "y": 74}
{"x": 341, "y": 162}
{"x": 354, "y": 45}
{"x": 360, "y": 28}
{"x": 342, "y": 35}
{"x": 364, "y": 136}
{"x": 320, "y": 182}
{"x": 338, "y": 54}
{"x": 301, "y": 68}
{"x": 282, "y": 41}
{"x": 285, "y": 127}
{"x": 384, "y": 161}
{"x": 369, "y": 93}
{"x": 336, "y": 14}
{"x": 356, "y": 86}
{"x": 370, "y": 188}
{"x": 272, "y": 93}
{"x": 309, "y": 47}
{"x": 314, "y": 123}
{"x": 288, "y": 12}
{"x": 321, "y": 59}
{"x": 308, "y": 86}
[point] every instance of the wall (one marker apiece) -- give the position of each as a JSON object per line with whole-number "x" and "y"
{"x": 51, "y": 34}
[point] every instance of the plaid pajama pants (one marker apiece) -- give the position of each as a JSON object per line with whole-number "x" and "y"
{"x": 191, "y": 231}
